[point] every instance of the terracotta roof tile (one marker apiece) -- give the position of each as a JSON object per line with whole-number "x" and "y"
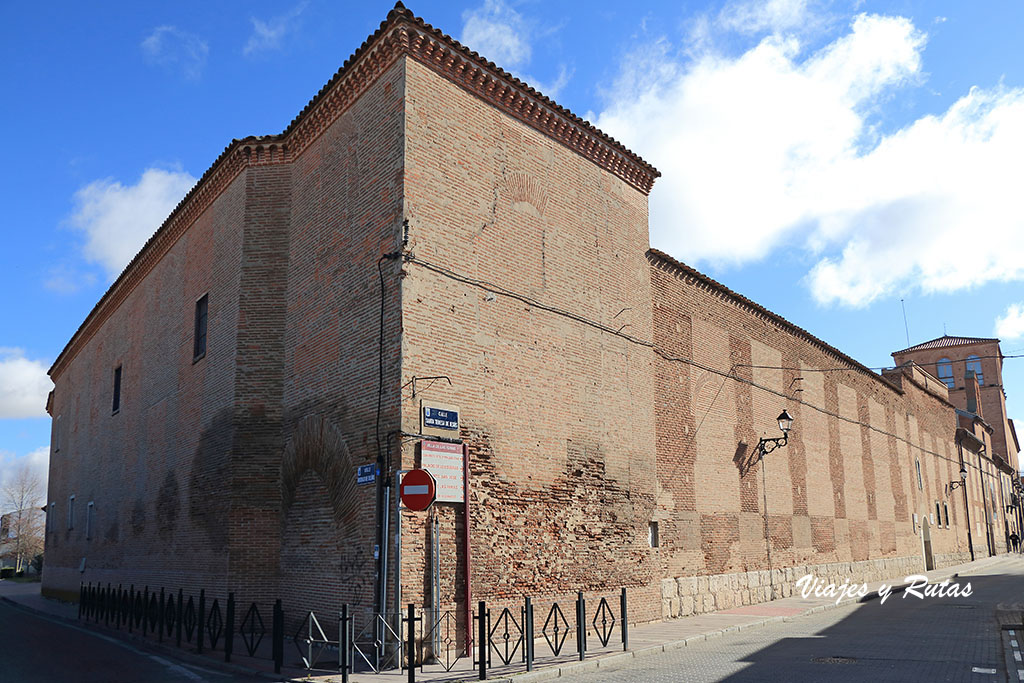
{"x": 399, "y": 12}
{"x": 944, "y": 341}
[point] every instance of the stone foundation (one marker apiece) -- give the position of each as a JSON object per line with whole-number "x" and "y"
{"x": 688, "y": 595}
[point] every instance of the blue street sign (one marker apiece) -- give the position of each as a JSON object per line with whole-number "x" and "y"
{"x": 440, "y": 419}
{"x": 366, "y": 474}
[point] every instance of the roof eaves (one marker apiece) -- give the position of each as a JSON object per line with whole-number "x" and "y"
{"x": 399, "y": 12}
{"x": 774, "y": 317}
{"x": 954, "y": 342}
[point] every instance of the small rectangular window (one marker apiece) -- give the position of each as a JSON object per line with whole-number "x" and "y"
{"x": 117, "y": 389}
{"x": 56, "y": 434}
{"x": 945, "y": 513}
{"x": 51, "y": 510}
{"x": 938, "y": 514}
{"x": 652, "y": 534}
{"x": 71, "y": 512}
{"x": 88, "y": 521}
{"x": 199, "y": 337}
{"x": 920, "y": 484}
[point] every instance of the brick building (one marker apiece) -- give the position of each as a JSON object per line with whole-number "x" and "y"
{"x": 430, "y": 229}
{"x": 972, "y": 368}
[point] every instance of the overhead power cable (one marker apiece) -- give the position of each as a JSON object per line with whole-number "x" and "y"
{"x": 498, "y": 289}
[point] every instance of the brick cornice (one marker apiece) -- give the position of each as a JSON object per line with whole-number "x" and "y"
{"x": 500, "y": 89}
{"x": 224, "y": 170}
{"x": 401, "y": 33}
{"x": 667, "y": 264}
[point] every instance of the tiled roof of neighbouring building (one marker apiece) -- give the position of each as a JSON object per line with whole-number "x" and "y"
{"x": 945, "y": 341}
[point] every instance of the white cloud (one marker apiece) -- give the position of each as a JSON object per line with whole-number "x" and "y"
{"x": 64, "y": 278}
{"x": 1010, "y": 325}
{"x": 554, "y": 87}
{"x": 38, "y": 463}
{"x": 268, "y": 35}
{"x": 24, "y": 385}
{"x": 497, "y": 32}
{"x": 176, "y": 50}
{"x": 118, "y": 219}
{"x": 756, "y": 16}
{"x": 505, "y": 37}
{"x": 776, "y": 146}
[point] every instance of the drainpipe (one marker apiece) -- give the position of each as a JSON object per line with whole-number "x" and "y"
{"x": 989, "y": 539}
{"x": 967, "y": 508}
{"x": 466, "y": 551}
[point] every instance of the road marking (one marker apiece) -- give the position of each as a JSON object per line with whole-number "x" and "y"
{"x": 1016, "y": 655}
{"x": 1014, "y": 643}
{"x": 1020, "y": 674}
{"x": 980, "y": 670}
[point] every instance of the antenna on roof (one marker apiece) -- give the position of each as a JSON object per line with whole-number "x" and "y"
{"x": 905, "y": 326}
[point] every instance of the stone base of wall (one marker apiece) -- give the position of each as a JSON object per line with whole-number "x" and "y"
{"x": 688, "y": 595}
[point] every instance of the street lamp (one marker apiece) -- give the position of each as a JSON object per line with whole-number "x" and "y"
{"x": 954, "y": 485}
{"x": 766, "y": 446}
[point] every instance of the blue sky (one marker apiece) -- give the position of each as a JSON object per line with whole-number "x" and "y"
{"x": 824, "y": 159}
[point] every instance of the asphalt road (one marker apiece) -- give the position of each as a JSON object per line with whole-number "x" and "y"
{"x": 906, "y": 639}
{"x": 39, "y": 649}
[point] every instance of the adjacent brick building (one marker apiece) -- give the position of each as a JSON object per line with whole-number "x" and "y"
{"x": 972, "y": 369}
{"x": 431, "y": 228}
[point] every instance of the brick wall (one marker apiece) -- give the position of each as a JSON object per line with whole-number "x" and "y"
{"x": 155, "y": 471}
{"x": 558, "y": 414}
{"x": 234, "y": 470}
{"x": 602, "y": 387}
{"x": 347, "y": 189}
{"x": 844, "y": 488}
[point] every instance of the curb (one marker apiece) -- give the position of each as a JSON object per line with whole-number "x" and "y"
{"x": 198, "y": 661}
{"x": 610, "y": 661}
{"x": 620, "y": 660}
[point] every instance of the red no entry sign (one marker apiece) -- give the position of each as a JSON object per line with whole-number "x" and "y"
{"x": 417, "y": 489}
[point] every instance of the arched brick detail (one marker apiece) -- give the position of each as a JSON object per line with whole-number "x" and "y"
{"x": 318, "y": 446}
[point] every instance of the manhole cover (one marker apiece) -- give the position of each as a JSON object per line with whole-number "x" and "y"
{"x": 834, "y": 660}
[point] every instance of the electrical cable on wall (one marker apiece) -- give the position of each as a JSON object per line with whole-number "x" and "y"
{"x": 497, "y": 289}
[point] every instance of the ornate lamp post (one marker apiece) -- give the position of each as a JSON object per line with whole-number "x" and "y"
{"x": 764, "y": 447}
{"x": 962, "y": 484}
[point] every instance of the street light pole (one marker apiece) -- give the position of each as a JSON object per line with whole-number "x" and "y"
{"x": 764, "y": 447}
{"x": 962, "y": 484}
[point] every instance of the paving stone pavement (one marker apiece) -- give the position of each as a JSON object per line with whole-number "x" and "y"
{"x": 905, "y": 639}
{"x": 792, "y": 639}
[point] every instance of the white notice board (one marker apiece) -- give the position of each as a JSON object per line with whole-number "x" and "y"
{"x": 444, "y": 462}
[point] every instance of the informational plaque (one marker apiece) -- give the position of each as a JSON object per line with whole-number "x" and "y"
{"x": 444, "y": 461}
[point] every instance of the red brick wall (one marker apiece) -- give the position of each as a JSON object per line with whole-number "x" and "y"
{"x": 527, "y": 282}
{"x": 558, "y": 414}
{"x": 155, "y": 470}
{"x": 208, "y": 475}
{"x": 347, "y": 212}
{"x": 844, "y": 487}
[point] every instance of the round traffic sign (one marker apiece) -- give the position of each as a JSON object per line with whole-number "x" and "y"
{"x": 417, "y": 489}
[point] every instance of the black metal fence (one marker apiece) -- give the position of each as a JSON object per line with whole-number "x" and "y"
{"x": 366, "y": 641}
{"x": 185, "y": 620}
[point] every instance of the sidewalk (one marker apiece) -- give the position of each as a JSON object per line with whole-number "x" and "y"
{"x": 644, "y": 639}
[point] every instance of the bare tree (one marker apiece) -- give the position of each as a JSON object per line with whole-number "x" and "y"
{"x": 22, "y": 496}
